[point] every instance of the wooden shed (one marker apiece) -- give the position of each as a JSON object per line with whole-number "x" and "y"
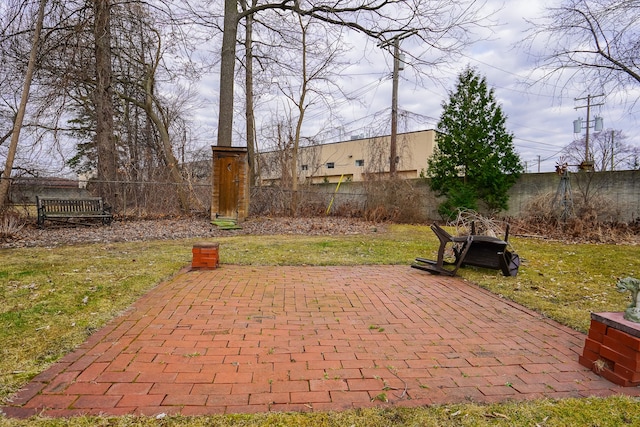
{"x": 230, "y": 183}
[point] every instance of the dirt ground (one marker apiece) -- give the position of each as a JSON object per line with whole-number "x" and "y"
{"x": 54, "y": 234}
{"x": 178, "y": 228}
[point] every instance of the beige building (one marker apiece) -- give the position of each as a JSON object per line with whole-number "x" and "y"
{"x": 351, "y": 160}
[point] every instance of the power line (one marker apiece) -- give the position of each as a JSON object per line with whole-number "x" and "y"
{"x": 536, "y": 142}
{"x": 554, "y": 88}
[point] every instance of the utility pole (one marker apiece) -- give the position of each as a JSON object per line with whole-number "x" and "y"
{"x": 393, "y": 149}
{"x": 394, "y": 108}
{"x": 588, "y": 163}
{"x": 613, "y": 148}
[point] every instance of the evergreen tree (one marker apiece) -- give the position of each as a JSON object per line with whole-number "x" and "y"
{"x": 474, "y": 160}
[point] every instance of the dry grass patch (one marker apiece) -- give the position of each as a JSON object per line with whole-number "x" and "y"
{"x": 565, "y": 282}
{"x": 609, "y": 412}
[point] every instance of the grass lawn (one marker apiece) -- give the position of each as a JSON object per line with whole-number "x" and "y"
{"x": 51, "y": 299}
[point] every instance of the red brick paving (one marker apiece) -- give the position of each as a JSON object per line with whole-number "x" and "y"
{"x": 255, "y": 339}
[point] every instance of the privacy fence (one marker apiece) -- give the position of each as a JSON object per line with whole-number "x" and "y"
{"x": 615, "y": 195}
{"x": 611, "y": 196}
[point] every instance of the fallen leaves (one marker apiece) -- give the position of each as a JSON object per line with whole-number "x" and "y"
{"x": 181, "y": 228}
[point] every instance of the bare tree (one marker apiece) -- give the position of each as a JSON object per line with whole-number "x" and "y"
{"x": 140, "y": 134}
{"x": 608, "y": 149}
{"x": 17, "y": 125}
{"x": 87, "y": 58}
{"x": 593, "y": 41}
{"x": 143, "y": 55}
{"x": 103, "y": 100}
{"x": 377, "y": 159}
{"x": 249, "y": 92}
{"x": 443, "y": 25}
{"x": 310, "y": 67}
{"x": 37, "y": 151}
{"x": 609, "y": 152}
{"x": 276, "y": 160}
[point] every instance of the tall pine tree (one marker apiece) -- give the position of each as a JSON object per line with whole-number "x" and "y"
{"x": 474, "y": 163}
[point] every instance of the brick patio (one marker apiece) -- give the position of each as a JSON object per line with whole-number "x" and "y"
{"x": 243, "y": 339}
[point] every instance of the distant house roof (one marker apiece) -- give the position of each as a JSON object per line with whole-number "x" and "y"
{"x": 49, "y": 182}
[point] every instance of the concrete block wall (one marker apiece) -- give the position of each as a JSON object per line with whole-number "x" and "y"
{"x": 619, "y": 190}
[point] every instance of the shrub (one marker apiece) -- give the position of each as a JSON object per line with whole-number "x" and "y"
{"x": 10, "y": 225}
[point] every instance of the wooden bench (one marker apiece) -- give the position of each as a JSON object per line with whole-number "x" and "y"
{"x": 479, "y": 251}
{"x": 66, "y": 210}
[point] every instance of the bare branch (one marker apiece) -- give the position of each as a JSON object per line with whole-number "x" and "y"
{"x": 595, "y": 40}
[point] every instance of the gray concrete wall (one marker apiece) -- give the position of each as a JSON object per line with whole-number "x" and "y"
{"x": 26, "y": 195}
{"x": 616, "y": 192}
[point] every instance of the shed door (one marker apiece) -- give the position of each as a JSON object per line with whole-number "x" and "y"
{"x": 229, "y": 186}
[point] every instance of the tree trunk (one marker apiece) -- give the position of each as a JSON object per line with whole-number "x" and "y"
{"x": 227, "y": 71}
{"x": 301, "y": 111}
{"x": 103, "y": 99}
{"x": 250, "y": 119}
{"x": 159, "y": 120}
{"x": 167, "y": 150}
{"x": 17, "y": 124}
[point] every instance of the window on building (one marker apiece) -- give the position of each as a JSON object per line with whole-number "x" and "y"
{"x": 304, "y": 167}
{"x": 331, "y": 165}
{"x": 360, "y": 162}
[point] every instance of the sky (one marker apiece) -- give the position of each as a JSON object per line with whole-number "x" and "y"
{"x": 539, "y": 115}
